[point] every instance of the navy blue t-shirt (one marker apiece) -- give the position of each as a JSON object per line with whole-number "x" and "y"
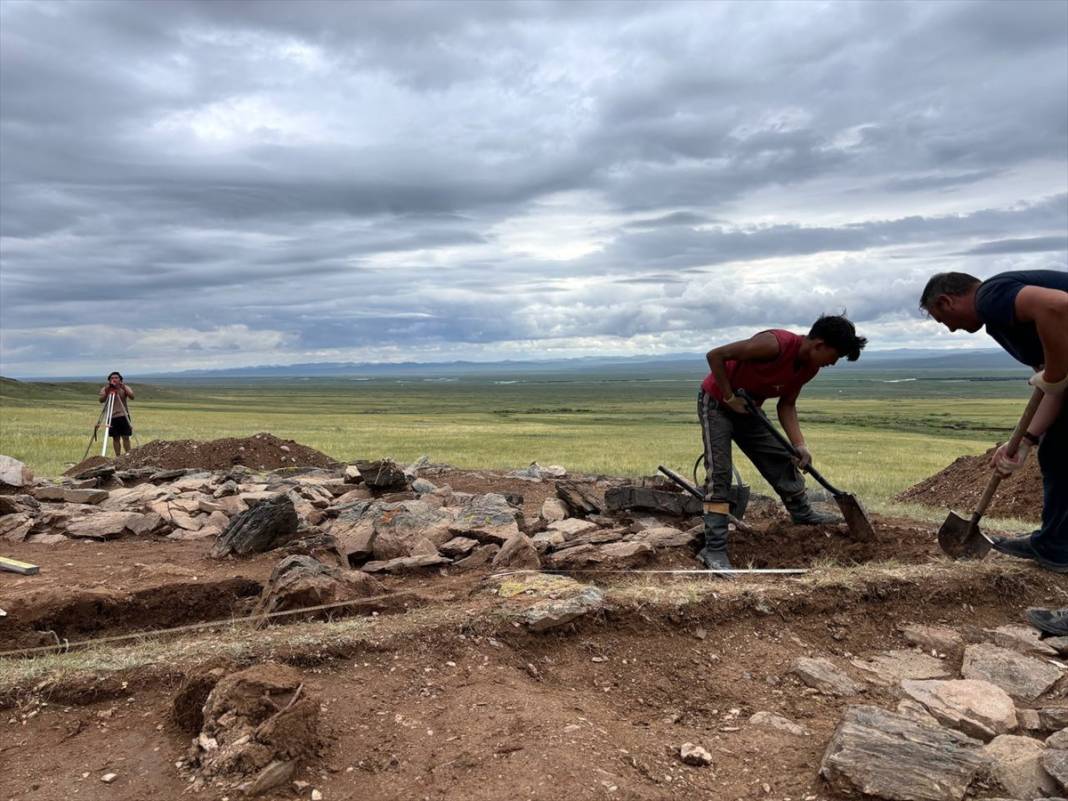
{"x": 995, "y": 301}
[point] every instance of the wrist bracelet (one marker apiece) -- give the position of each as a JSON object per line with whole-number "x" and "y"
{"x": 1030, "y": 437}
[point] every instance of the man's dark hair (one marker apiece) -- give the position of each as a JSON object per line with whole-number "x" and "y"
{"x": 115, "y": 372}
{"x": 840, "y": 334}
{"x": 946, "y": 284}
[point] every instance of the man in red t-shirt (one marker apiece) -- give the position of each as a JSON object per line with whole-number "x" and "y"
{"x": 771, "y": 364}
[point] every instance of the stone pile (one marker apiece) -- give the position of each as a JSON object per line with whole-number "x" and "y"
{"x": 377, "y": 516}
{"x": 997, "y": 723}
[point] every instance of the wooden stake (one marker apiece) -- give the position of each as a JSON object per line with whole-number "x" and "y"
{"x": 15, "y": 566}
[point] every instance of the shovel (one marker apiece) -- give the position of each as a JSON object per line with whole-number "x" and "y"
{"x": 848, "y": 504}
{"x": 960, "y": 538}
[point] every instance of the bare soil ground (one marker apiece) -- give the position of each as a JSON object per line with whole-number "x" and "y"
{"x": 444, "y": 695}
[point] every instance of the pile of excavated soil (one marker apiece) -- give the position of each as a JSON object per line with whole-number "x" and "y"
{"x": 959, "y": 487}
{"x": 258, "y": 452}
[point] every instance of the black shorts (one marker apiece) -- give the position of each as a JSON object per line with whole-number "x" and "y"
{"x": 120, "y": 427}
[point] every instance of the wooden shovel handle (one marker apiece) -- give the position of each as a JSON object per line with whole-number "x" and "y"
{"x": 1013, "y": 445}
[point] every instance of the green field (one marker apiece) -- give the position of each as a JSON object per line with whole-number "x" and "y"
{"x": 872, "y": 432}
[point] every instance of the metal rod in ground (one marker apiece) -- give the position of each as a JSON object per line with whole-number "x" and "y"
{"x": 783, "y": 571}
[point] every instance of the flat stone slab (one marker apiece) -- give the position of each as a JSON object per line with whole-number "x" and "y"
{"x": 823, "y": 675}
{"x": 977, "y": 708}
{"x": 934, "y": 638}
{"x": 1025, "y": 639}
{"x": 769, "y": 720}
{"x": 893, "y": 666}
{"x": 1023, "y": 677}
{"x": 549, "y": 615}
{"x": 885, "y": 755}
{"x": 572, "y": 527}
{"x": 102, "y": 526}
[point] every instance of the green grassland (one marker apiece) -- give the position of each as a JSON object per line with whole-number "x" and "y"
{"x": 872, "y": 432}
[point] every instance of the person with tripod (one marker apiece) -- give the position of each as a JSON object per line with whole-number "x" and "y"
{"x": 119, "y": 428}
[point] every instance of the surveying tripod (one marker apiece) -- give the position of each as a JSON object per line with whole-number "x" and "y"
{"x": 105, "y": 419}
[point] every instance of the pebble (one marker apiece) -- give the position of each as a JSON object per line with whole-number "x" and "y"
{"x": 694, "y": 755}
{"x": 108, "y": 778}
{"x": 316, "y": 796}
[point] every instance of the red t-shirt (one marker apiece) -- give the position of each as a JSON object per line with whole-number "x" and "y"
{"x": 762, "y": 380}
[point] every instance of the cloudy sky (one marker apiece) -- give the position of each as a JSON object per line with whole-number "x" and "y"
{"x": 209, "y": 184}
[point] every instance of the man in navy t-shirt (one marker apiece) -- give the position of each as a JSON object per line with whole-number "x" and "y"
{"x": 1026, "y": 311}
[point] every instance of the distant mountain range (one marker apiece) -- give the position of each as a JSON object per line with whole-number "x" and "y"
{"x": 900, "y": 359}
{"x": 903, "y": 359}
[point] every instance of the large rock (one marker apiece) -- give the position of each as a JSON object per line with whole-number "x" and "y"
{"x": 16, "y": 527}
{"x": 572, "y": 527}
{"x": 1055, "y": 762}
{"x": 1023, "y": 677}
{"x": 631, "y": 498}
{"x": 383, "y": 475}
{"x": 666, "y": 537}
{"x": 301, "y": 581}
{"x": 14, "y": 473}
{"x": 1025, "y": 639}
{"x": 102, "y": 525}
{"x": 553, "y": 614}
{"x": 977, "y": 708}
{"x": 880, "y": 754}
{"x": 934, "y": 638}
{"x": 769, "y": 720}
{"x": 614, "y": 556}
{"x": 93, "y": 496}
{"x": 553, "y": 509}
{"x": 893, "y": 666}
{"x": 487, "y": 518}
{"x": 579, "y": 500}
{"x": 1016, "y": 764}
{"x": 518, "y": 553}
{"x": 822, "y": 674}
{"x": 265, "y": 526}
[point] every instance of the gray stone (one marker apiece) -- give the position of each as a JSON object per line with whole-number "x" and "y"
{"x": 553, "y": 614}
{"x": 14, "y": 504}
{"x": 1024, "y": 639}
{"x": 1022, "y": 677}
{"x": 1058, "y": 644}
{"x": 579, "y": 499}
{"x": 102, "y": 525}
{"x": 1016, "y": 764}
{"x": 545, "y": 541}
{"x": 50, "y": 494}
{"x": 822, "y": 674}
{"x": 383, "y": 475}
{"x": 977, "y": 708}
{"x": 487, "y": 518}
{"x": 16, "y": 527}
{"x": 572, "y": 527}
{"x": 423, "y": 487}
{"x": 891, "y": 667}
{"x": 916, "y": 711}
{"x": 942, "y": 639}
{"x": 1058, "y": 740}
{"x": 694, "y": 755}
{"x": 298, "y": 582}
{"x": 265, "y": 526}
{"x": 769, "y": 720}
{"x": 458, "y": 547}
{"x": 628, "y": 498}
{"x": 148, "y": 523}
{"x": 406, "y": 564}
{"x": 665, "y": 537}
{"x": 518, "y": 553}
{"x": 623, "y": 555}
{"x": 352, "y": 474}
{"x": 880, "y": 754}
{"x": 1055, "y": 762}
{"x": 553, "y": 509}
{"x": 14, "y": 473}
{"x": 274, "y": 775}
{"x": 92, "y": 496}
{"x": 46, "y": 539}
{"x": 482, "y": 555}
{"x": 1053, "y": 718}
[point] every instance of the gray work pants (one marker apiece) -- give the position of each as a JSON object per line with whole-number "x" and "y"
{"x": 720, "y": 425}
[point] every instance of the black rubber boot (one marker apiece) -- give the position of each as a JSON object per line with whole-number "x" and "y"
{"x": 802, "y": 514}
{"x": 1051, "y": 622}
{"x": 714, "y": 554}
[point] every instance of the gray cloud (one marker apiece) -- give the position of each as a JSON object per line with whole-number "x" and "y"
{"x": 227, "y": 182}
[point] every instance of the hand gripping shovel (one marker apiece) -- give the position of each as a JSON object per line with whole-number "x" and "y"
{"x": 960, "y": 538}
{"x": 848, "y": 504}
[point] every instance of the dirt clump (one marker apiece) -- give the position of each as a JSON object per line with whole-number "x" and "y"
{"x": 959, "y": 487}
{"x": 258, "y": 725}
{"x": 260, "y": 452}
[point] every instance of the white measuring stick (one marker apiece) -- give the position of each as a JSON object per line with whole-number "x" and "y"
{"x": 108, "y": 409}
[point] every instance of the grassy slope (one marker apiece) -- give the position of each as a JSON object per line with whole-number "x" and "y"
{"x": 872, "y": 436}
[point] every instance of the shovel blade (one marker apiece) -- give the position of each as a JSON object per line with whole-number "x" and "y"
{"x": 961, "y": 539}
{"x": 855, "y": 517}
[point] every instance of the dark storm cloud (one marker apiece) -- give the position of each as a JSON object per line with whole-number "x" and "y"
{"x": 287, "y": 181}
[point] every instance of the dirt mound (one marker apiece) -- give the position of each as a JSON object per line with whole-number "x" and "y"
{"x": 959, "y": 487}
{"x": 87, "y": 464}
{"x": 258, "y": 452}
